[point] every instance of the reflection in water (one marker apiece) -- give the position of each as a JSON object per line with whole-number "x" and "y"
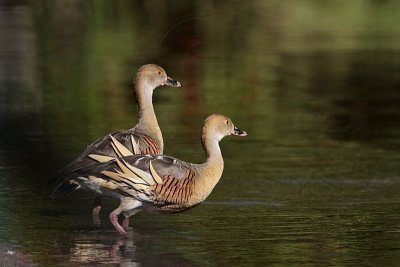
{"x": 93, "y": 249}
{"x": 315, "y": 84}
{"x": 10, "y": 256}
{"x": 372, "y": 116}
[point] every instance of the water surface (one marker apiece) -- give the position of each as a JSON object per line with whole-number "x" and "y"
{"x": 315, "y": 85}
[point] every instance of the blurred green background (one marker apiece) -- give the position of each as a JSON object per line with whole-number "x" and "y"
{"x": 316, "y": 84}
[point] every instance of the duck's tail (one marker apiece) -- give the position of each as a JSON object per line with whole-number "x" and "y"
{"x": 65, "y": 187}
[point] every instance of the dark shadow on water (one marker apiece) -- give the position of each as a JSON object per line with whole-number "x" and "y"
{"x": 369, "y": 109}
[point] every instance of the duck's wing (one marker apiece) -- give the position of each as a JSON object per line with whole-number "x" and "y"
{"x": 159, "y": 180}
{"x": 122, "y": 144}
{"x": 118, "y": 144}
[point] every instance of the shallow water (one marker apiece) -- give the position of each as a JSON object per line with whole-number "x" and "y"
{"x": 315, "y": 85}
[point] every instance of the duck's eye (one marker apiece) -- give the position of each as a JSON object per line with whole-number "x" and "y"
{"x": 227, "y": 122}
{"x": 159, "y": 72}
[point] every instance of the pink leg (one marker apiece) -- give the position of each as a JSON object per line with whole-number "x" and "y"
{"x": 125, "y": 222}
{"x": 95, "y": 215}
{"x": 96, "y": 211}
{"x": 97, "y": 207}
{"x": 115, "y": 249}
{"x": 114, "y": 221}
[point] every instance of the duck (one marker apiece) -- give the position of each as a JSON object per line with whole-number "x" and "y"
{"x": 144, "y": 138}
{"x": 158, "y": 183}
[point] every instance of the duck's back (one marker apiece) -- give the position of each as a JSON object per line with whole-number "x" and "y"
{"x": 118, "y": 144}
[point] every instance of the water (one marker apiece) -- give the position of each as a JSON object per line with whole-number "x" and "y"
{"x": 315, "y": 85}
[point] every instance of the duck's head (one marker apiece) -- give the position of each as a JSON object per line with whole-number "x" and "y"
{"x": 154, "y": 76}
{"x": 218, "y": 126}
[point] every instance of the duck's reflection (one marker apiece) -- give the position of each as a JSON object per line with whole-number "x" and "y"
{"x": 123, "y": 248}
{"x": 105, "y": 247}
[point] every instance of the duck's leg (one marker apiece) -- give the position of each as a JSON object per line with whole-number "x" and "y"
{"x": 114, "y": 220}
{"x": 116, "y": 248}
{"x": 125, "y": 221}
{"x": 129, "y": 207}
{"x": 97, "y": 206}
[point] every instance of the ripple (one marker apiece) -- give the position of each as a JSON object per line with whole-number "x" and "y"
{"x": 245, "y": 203}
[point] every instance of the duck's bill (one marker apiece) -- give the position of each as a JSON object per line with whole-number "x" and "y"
{"x": 237, "y": 132}
{"x": 172, "y": 82}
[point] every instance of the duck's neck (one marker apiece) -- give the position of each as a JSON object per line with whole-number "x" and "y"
{"x": 147, "y": 122}
{"x": 211, "y": 171}
{"x": 213, "y": 152}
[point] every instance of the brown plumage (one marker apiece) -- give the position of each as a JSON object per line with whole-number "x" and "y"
{"x": 157, "y": 182}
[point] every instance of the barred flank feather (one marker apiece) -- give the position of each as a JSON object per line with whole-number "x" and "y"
{"x": 174, "y": 191}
